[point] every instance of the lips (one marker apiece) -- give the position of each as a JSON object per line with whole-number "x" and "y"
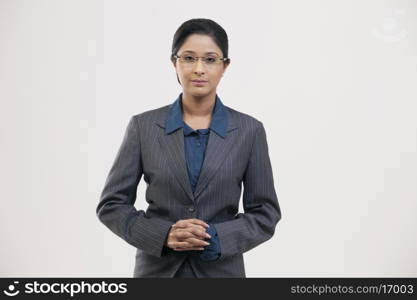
{"x": 199, "y": 83}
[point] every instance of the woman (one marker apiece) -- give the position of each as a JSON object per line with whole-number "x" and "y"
{"x": 195, "y": 154}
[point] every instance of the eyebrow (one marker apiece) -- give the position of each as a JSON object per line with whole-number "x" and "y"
{"x": 210, "y": 52}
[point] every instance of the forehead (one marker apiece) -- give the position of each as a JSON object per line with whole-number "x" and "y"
{"x": 200, "y": 44}
{"x": 193, "y": 52}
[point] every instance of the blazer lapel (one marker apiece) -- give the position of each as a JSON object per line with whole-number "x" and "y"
{"x": 173, "y": 145}
{"x": 217, "y": 150}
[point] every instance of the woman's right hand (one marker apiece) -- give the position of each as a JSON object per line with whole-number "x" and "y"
{"x": 188, "y": 234}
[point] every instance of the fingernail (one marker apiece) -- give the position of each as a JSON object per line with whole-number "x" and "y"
{"x": 209, "y": 236}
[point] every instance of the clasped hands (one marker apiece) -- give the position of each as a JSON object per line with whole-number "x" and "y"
{"x": 188, "y": 234}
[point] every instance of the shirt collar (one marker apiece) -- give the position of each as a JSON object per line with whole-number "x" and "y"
{"x": 218, "y": 120}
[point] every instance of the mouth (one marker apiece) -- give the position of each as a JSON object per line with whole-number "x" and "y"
{"x": 199, "y": 82}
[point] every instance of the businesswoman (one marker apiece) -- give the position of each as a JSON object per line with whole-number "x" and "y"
{"x": 194, "y": 154}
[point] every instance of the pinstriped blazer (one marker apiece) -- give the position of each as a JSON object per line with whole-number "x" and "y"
{"x": 239, "y": 158}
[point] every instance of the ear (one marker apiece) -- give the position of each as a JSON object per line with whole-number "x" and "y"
{"x": 226, "y": 65}
{"x": 173, "y": 60}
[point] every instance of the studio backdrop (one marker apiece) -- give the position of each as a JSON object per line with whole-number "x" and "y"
{"x": 334, "y": 83}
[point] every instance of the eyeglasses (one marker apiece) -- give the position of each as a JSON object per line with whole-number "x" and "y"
{"x": 188, "y": 59}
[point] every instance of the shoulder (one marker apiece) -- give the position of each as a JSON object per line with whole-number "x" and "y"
{"x": 146, "y": 120}
{"x": 244, "y": 120}
{"x": 152, "y": 114}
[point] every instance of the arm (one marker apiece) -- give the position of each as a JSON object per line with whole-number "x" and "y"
{"x": 116, "y": 207}
{"x": 261, "y": 209}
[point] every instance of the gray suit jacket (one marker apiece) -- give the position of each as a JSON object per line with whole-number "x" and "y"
{"x": 241, "y": 157}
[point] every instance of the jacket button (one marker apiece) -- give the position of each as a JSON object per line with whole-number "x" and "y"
{"x": 191, "y": 209}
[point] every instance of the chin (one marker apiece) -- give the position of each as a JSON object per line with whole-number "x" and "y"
{"x": 198, "y": 91}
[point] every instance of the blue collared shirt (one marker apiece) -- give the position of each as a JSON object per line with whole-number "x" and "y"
{"x": 195, "y": 142}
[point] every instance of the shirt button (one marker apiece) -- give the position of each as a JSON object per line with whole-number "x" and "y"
{"x": 191, "y": 209}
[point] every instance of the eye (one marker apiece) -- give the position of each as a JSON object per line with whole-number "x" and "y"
{"x": 189, "y": 58}
{"x": 210, "y": 59}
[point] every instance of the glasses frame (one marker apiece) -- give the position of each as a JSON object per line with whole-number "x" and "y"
{"x": 198, "y": 57}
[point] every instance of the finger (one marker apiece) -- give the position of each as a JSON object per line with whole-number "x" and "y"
{"x": 187, "y": 243}
{"x": 186, "y": 222}
{"x": 189, "y": 249}
{"x": 197, "y": 231}
{"x": 196, "y": 242}
{"x": 182, "y": 234}
{"x": 177, "y": 244}
{"x": 199, "y": 222}
{"x": 191, "y": 232}
{"x": 181, "y": 224}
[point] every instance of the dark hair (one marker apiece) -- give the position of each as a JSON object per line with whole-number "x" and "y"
{"x": 200, "y": 26}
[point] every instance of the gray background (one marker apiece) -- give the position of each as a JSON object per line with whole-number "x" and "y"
{"x": 334, "y": 83}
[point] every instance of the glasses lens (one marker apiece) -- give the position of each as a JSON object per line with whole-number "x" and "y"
{"x": 211, "y": 60}
{"x": 187, "y": 58}
{"x": 191, "y": 59}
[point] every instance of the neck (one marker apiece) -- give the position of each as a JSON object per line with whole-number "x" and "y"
{"x": 196, "y": 106}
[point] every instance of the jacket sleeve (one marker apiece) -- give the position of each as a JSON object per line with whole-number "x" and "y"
{"x": 261, "y": 209}
{"x": 211, "y": 252}
{"x": 116, "y": 207}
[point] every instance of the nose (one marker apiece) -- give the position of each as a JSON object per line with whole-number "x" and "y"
{"x": 199, "y": 67}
